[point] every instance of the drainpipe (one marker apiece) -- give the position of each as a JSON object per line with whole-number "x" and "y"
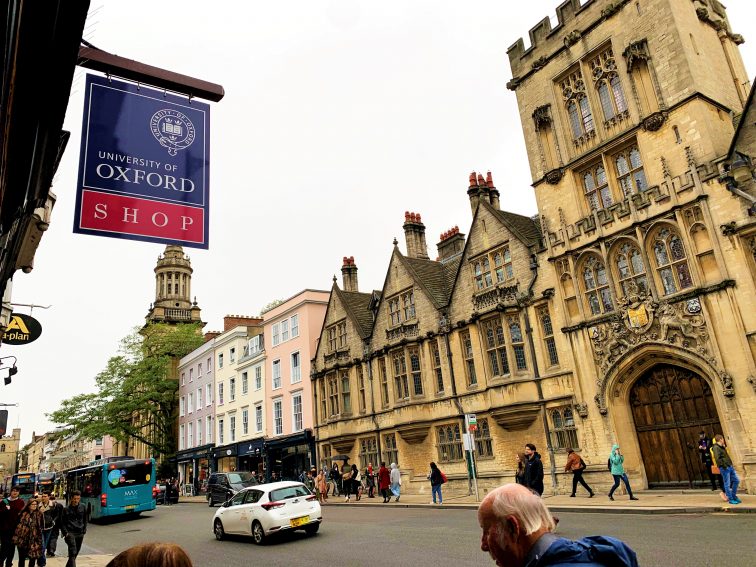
{"x": 366, "y": 353}
{"x": 537, "y": 374}
{"x": 444, "y": 327}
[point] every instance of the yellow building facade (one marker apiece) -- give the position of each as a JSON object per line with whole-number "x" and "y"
{"x": 622, "y": 313}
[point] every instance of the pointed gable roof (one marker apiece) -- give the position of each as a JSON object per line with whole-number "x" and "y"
{"x": 357, "y": 306}
{"x": 434, "y": 277}
{"x": 527, "y": 230}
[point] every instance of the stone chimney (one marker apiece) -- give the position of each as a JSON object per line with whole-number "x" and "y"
{"x": 483, "y": 191}
{"x": 349, "y": 275}
{"x": 210, "y": 335}
{"x": 493, "y": 192}
{"x": 414, "y": 233}
{"x": 472, "y": 192}
{"x": 451, "y": 243}
{"x": 231, "y": 321}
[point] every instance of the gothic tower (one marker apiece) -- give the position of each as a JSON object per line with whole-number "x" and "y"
{"x": 173, "y": 286}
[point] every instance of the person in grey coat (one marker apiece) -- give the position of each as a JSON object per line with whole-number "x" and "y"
{"x": 396, "y": 481}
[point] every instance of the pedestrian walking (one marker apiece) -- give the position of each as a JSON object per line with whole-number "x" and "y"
{"x": 321, "y": 486}
{"x": 152, "y": 555}
{"x": 437, "y": 478}
{"x": 370, "y": 480}
{"x": 356, "y": 481}
{"x": 28, "y": 535}
{"x": 707, "y": 461}
{"x": 384, "y": 482}
{"x": 533, "y": 469}
{"x": 726, "y": 469}
{"x": 51, "y": 546}
{"x": 10, "y": 510}
{"x": 396, "y": 481}
{"x": 49, "y": 517}
{"x": 335, "y": 476}
{"x": 522, "y": 459}
{"x": 616, "y": 465}
{"x": 73, "y": 526}
{"x": 576, "y": 465}
{"x": 517, "y": 531}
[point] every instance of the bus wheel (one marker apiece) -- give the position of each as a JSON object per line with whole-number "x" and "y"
{"x": 218, "y": 530}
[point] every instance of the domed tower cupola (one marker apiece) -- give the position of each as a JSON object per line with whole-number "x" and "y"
{"x": 173, "y": 289}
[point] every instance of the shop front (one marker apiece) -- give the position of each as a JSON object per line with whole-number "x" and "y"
{"x": 194, "y": 469}
{"x": 250, "y": 456}
{"x": 224, "y": 458}
{"x": 289, "y": 456}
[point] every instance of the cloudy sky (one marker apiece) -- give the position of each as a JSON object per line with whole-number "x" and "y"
{"x": 339, "y": 116}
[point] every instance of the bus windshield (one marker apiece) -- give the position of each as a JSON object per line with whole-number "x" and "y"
{"x": 129, "y": 474}
{"x": 26, "y": 483}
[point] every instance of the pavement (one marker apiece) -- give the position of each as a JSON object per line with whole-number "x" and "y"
{"x": 649, "y": 502}
{"x": 82, "y": 560}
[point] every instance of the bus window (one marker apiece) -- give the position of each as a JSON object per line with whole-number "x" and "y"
{"x": 91, "y": 482}
{"x": 130, "y": 475}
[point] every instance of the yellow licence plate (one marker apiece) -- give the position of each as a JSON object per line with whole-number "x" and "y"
{"x": 132, "y": 507}
{"x": 299, "y": 521}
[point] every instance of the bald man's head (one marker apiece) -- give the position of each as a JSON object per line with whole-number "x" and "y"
{"x": 512, "y": 519}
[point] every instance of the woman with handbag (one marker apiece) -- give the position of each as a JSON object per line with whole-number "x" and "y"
{"x": 28, "y": 536}
{"x": 356, "y": 481}
{"x": 576, "y": 465}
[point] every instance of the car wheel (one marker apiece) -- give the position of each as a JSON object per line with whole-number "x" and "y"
{"x": 258, "y": 533}
{"x": 312, "y": 529}
{"x": 218, "y": 530}
{"x": 210, "y": 501}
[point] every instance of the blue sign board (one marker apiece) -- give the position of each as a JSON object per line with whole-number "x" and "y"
{"x": 144, "y": 169}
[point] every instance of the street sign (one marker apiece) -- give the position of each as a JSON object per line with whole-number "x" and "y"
{"x": 471, "y": 419}
{"x": 144, "y": 165}
{"x": 21, "y": 330}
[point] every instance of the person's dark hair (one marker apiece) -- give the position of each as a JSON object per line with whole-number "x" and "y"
{"x": 521, "y": 463}
{"x": 569, "y": 450}
{"x": 74, "y": 493}
{"x": 383, "y": 463}
{"x": 433, "y": 465}
{"x": 15, "y": 487}
{"x": 152, "y": 555}
{"x": 530, "y": 446}
{"x": 27, "y": 508}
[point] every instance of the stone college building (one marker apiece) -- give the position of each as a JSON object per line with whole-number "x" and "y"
{"x": 624, "y": 312}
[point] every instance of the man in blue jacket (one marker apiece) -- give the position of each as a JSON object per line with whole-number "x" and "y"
{"x": 517, "y": 532}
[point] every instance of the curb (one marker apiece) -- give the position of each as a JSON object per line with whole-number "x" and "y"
{"x": 576, "y": 510}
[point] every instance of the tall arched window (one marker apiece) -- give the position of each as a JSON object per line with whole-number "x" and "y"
{"x": 483, "y": 273}
{"x": 630, "y": 175}
{"x": 596, "y": 188}
{"x": 596, "y": 283}
{"x": 578, "y": 108}
{"x": 671, "y": 261}
{"x": 518, "y": 345}
{"x": 607, "y": 82}
{"x": 630, "y": 268}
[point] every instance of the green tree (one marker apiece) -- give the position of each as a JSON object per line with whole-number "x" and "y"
{"x": 136, "y": 392}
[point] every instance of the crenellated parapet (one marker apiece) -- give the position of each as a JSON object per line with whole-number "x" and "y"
{"x": 574, "y": 21}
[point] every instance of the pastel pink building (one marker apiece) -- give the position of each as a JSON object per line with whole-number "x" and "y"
{"x": 291, "y": 330}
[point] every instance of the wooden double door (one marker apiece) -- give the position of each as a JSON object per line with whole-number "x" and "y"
{"x": 671, "y": 406}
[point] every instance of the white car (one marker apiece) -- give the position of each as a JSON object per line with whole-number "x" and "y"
{"x": 267, "y": 509}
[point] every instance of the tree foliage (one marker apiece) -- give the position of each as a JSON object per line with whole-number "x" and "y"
{"x": 136, "y": 392}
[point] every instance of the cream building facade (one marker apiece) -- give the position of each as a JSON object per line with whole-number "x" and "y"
{"x": 622, "y": 313}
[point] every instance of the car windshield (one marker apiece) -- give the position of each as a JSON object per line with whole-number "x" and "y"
{"x": 288, "y": 492}
{"x": 240, "y": 478}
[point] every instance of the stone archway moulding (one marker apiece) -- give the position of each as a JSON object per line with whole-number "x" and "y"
{"x": 634, "y": 363}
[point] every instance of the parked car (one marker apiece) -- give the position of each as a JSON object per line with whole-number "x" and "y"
{"x": 268, "y": 509}
{"x": 222, "y": 486}
{"x": 160, "y": 497}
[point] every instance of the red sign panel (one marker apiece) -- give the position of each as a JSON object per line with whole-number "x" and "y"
{"x": 106, "y": 212}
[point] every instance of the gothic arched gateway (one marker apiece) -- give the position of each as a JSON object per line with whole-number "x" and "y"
{"x": 670, "y": 406}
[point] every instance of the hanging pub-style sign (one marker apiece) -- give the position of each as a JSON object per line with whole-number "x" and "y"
{"x": 144, "y": 165}
{"x": 21, "y": 330}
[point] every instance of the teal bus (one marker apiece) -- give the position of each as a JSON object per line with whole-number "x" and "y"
{"x": 26, "y": 483}
{"x": 111, "y": 487}
{"x": 46, "y": 482}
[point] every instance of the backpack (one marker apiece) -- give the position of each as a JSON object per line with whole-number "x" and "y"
{"x": 609, "y": 464}
{"x": 443, "y": 477}
{"x": 583, "y": 466}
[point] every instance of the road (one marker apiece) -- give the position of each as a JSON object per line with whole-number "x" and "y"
{"x": 426, "y": 536}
